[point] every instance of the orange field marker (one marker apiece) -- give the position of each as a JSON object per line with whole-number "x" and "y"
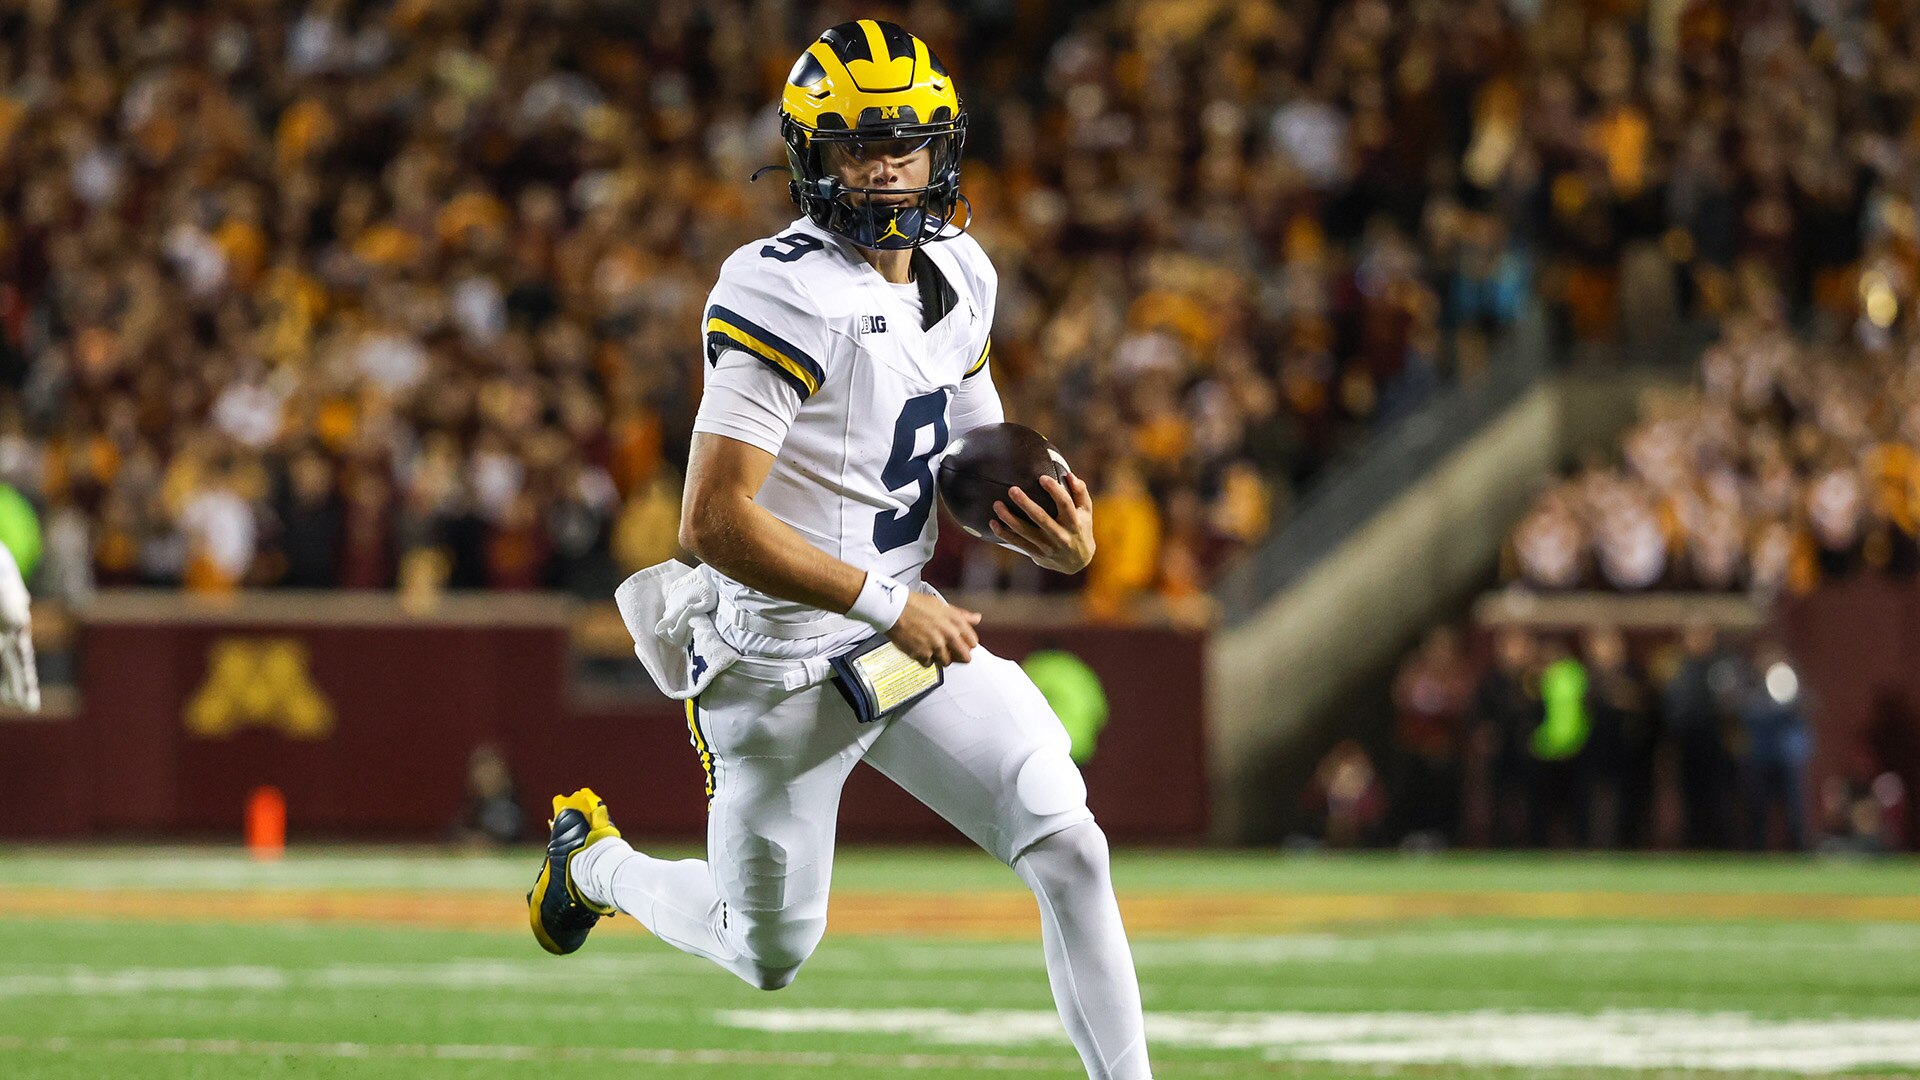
{"x": 267, "y": 823}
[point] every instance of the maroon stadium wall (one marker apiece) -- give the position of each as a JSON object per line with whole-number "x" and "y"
{"x": 1857, "y": 643}
{"x": 364, "y": 718}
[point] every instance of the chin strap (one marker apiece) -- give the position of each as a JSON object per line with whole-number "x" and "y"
{"x": 764, "y": 170}
{"x": 960, "y": 230}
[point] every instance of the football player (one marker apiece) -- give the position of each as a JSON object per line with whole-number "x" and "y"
{"x": 844, "y": 355}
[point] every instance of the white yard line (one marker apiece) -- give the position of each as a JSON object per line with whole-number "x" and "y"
{"x": 1231, "y": 964}
{"x": 154, "y": 990}
{"x": 608, "y": 1055}
{"x": 1631, "y": 1039}
{"x": 480, "y": 976}
{"x": 1319, "y": 995}
{"x": 50, "y": 981}
{"x": 1701, "y": 1039}
{"x": 313, "y": 1007}
{"x": 1317, "y": 948}
{"x": 136, "y": 981}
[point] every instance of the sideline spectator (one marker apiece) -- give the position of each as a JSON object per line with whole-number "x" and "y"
{"x": 492, "y": 816}
{"x": 1620, "y": 749}
{"x": 1560, "y": 787}
{"x": 1431, "y": 696}
{"x": 1697, "y": 703}
{"x": 1778, "y": 745}
{"x": 1863, "y": 816}
{"x": 1506, "y": 710}
{"x": 1346, "y": 798}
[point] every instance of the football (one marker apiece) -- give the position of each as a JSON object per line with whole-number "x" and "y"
{"x": 985, "y": 462}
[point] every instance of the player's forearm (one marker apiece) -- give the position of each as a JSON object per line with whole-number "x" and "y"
{"x": 758, "y": 550}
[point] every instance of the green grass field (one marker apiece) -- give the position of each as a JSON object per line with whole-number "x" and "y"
{"x": 376, "y": 963}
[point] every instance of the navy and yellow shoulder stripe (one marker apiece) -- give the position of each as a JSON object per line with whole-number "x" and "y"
{"x": 728, "y": 329}
{"x": 980, "y": 364}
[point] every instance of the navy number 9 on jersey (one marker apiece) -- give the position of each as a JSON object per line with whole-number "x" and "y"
{"x": 892, "y": 528}
{"x": 798, "y": 244}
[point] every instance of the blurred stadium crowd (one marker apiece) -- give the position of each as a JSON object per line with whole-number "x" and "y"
{"x": 1789, "y": 462}
{"x": 366, "y": 292}
{"x": 1598, "y": 740}
{"x": 1796, "y": 455}
{"x": 351, "y": 293}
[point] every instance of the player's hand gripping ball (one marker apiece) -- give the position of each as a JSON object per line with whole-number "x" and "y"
{"x": 1006, "y": 484}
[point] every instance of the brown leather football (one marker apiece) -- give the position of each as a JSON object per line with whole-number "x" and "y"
{"x": 985, "y": 462}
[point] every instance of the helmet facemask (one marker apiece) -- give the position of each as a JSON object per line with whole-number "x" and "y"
{"x": 851, "y": 212}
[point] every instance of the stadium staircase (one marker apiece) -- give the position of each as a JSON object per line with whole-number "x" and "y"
{"x": 1400, "y": 534}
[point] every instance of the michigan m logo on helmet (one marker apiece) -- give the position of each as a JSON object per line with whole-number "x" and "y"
{"x": 871, "y": 88}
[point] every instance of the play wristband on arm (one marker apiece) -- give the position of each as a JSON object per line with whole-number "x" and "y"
{"x": 880, "y": 602}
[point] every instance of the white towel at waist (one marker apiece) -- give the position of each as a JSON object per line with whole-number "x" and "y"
{"x": 669, "y": 611}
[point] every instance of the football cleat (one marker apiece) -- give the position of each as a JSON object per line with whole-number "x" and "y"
{"x": 559, "y": 914}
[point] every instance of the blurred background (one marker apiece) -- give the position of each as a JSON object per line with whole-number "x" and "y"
{"x": 1504, "y": 416}
{"x": 1504, "y": 423}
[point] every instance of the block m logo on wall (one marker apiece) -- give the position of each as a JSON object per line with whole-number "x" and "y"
{"x": 259, "y": 682}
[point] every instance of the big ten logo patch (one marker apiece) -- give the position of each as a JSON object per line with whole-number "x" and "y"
{"x": 873, "y": 324}
{"x": 259, "y": 682}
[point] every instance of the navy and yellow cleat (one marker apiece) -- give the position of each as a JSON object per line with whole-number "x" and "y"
{"x": 560, "y": 916}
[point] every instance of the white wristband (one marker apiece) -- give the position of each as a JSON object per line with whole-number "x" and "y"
{"x": 880, "y": 602}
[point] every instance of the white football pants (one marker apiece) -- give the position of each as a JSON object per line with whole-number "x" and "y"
{"x": 984, "y": 750}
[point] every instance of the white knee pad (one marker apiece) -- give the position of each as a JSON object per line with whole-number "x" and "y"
{"x": 1050, "y": 797}
{"x": 1049, "y": 792}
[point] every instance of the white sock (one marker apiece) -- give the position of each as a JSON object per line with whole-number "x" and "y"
{"x": 676, "y": 901}
{"x": 1089, "y": 963}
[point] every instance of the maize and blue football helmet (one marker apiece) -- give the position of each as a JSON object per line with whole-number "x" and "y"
{"x": 864, "y": 88}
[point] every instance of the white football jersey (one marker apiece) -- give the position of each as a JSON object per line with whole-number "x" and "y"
{"x": 854, "y": 474}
